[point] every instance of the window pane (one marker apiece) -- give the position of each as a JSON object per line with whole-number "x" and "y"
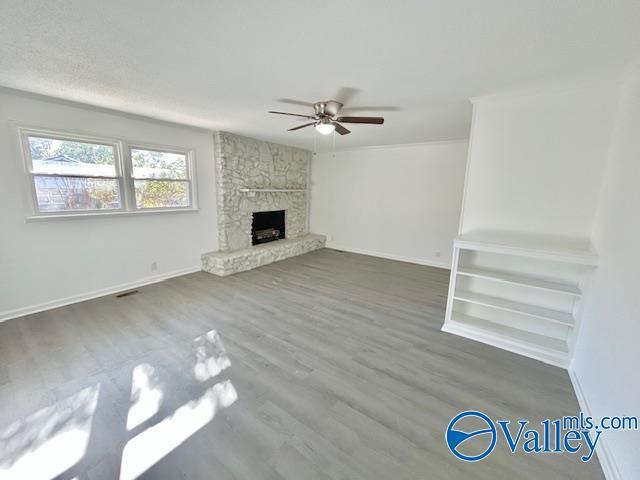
{"x": 152, "y": 164}
{"x": 161, "y": 194}
{"x": 56, "y": 194}
{"x": 49, "y": 155}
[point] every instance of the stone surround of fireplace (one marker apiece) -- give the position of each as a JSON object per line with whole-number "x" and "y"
{"x": 258, "y": 176}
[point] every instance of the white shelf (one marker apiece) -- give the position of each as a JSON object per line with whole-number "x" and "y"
{"x": 555, "y": 316}
{"x": 271, "y": 190}
{"x": 548, "y": 349}
{"x": 560, "y": 249}
{"x": 542, "y": 327}
{"x": 515, "y": 279}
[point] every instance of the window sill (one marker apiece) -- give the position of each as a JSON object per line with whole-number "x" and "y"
{"x": 71, "y": 216}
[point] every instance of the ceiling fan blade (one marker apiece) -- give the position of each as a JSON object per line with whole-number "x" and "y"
{"x": 340, "y": 129}
{"x": 371, "y": 109}
{"x": 346, "y": 94}
{"x": 301, "y": 126}
{"x": 293, "y": 101}
{"x": 293, "y": 114}
{"x": 371, "y": 120}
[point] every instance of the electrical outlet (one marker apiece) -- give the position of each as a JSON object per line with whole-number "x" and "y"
{"x": 438, "y": 253}
{"x": 154, "y": 266}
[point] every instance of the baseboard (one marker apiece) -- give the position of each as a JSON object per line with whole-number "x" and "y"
{"x": 605, "y": 457}
{"x": 389, "y": 256}
{"x": 40, "y": 307}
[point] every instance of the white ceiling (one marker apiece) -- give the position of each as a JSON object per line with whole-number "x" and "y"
{"x": 223, "y": 64}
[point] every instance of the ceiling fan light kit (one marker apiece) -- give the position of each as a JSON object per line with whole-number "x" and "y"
{"x": 326, "y": 120}
{"x": 325, "y": 126}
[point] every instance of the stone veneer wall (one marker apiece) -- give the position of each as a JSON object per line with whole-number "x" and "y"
{"x": 243, "y": 162}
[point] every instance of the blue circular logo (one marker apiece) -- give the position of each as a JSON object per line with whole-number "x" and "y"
{"x": 457, "y": 438}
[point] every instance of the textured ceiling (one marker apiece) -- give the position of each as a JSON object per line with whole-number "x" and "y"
{"x": 223, "y": 64}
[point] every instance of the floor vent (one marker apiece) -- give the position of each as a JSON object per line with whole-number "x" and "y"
{"x": 126, "y": 294}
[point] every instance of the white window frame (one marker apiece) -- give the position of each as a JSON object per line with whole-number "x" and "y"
{"x": 123, "y": 174}
{"x": 161, "y": 149}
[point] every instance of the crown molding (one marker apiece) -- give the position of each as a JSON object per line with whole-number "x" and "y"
{"x": 398, "y": 145}
{"x": 558, "y": 88}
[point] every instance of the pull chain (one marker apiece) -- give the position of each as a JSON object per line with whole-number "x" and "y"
{"x": 315, "y": 142}
{"x": 334, "y": 144}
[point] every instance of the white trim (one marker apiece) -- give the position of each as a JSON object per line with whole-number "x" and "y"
{"x": 117, "y": 213}
{"x": 452, "y": 284}
{"x": 403, "y": 145}
{"x": 612, "y": 79}
{"x": 474, "y": 114}
{"x": 24, "y": 132}
{"x": 271, "y": 190}
{"x": 390, "y": 256}
{"x": 81, "y": 297}
{"x": 605, "y": 455}
{"x": 159, "y": 148}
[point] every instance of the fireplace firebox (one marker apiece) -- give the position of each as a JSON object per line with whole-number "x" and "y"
{"x": 267, "y": 227}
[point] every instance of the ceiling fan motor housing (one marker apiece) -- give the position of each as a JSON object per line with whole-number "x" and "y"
{"x": 329, "y": 108}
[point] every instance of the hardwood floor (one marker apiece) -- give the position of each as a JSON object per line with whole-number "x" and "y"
{"x": 330, "y": 365}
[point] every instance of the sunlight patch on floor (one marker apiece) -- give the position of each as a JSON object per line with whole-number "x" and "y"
{"x": 145, "y": 397}
{"x": 211, "y": 357}
{"x": 50, "y": 441}
{"x": 149, "y": 447}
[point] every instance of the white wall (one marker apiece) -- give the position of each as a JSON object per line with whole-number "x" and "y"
{"x": 400, "y": 202}
{"x": 607, "y": 355}
{"x": 46, "y": 262}
{"x": 535, "y": 161}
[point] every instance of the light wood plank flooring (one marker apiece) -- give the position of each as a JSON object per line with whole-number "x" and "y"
{"x": 330, "y": 365}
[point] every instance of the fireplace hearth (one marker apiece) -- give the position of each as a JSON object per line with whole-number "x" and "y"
{"x": 267, "y": 227}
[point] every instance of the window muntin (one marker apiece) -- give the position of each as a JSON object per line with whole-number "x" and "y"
{"x": 72, "y": 174}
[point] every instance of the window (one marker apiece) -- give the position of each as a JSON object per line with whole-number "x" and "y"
{"x": 160, "y": 179}
{"x": 72, "y": 174}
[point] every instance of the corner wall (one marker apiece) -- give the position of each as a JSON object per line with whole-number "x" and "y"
{"x": 536, "y": 160}
{"x": 607, "y": 356}
{"x": 45, "y": 264}
{"x": 400, "y": 202}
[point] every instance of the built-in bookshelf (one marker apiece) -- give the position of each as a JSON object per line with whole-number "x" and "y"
{"x": 520, "y": 292}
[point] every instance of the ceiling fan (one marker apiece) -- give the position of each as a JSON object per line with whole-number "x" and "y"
{"x": 326, "y": 119}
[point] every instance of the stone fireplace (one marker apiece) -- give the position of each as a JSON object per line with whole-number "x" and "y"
{"x": 254, "y": 177}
